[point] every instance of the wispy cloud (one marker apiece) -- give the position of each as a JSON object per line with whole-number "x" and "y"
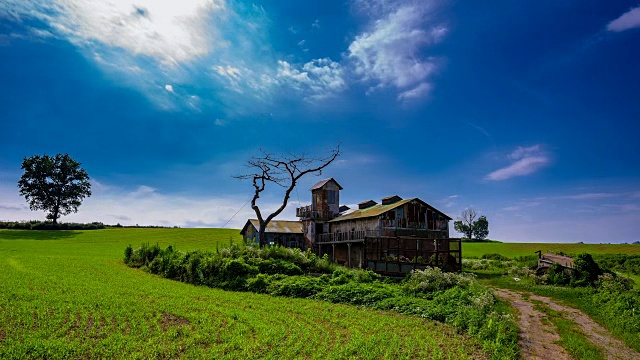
{"x": 626, "y": 21}
{"x": 589, "y": 196}
{"x": 525, "y": 161}
{"x": 391, "y": 51}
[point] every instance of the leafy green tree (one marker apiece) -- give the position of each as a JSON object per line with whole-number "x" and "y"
{"x": 56, "y": 184}
{"x": 481, "y": 228}
{"x": 465, "y": 224}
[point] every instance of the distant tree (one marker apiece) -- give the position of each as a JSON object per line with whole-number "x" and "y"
{"x": 466, "y": 222}
{"x": 285, "y": 171}
{"x": 56, "y": 184}
{"x": 481, "y": 228}
{"x": 470, "y": 227}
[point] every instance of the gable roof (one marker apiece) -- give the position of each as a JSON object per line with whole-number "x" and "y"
{"x": 321, "y": 183}
{"x": 379, "y": 209}
{"x": 276, "y": 226}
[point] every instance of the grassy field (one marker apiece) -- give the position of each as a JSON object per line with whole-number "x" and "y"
{"x": 67, "y": 294}
{"x": 513, "y": 250}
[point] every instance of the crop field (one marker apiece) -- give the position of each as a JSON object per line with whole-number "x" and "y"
{"x": 512, "y": 250}
{"x": 67, "y": 294}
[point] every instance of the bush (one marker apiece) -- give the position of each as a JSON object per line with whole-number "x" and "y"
{"x": 278, "y": 266}
{"x": 358, "y": 294}
{"x": 296, "y": 286}
{"x": 495, "y": 257}
{"x": 433, "y": 279}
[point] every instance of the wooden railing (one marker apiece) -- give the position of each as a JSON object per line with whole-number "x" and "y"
{"x": 309, "y": 212}
{"x": 345, "y": 236}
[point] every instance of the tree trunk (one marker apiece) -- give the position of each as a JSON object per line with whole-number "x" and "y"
{"x": 262, "y": 238}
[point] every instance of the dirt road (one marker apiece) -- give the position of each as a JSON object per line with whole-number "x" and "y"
{"x": 537, "y": 339}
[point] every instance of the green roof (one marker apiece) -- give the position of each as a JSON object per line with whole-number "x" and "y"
{"x": 379, "y": 209}
{"x": 277, "y": 226}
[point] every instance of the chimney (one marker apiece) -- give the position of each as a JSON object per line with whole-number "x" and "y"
{"x": 391, "y": 199}
{"x": 366, "y": 204}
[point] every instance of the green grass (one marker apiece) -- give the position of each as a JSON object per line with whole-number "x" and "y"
{"x": 572, "y": 338}
{"x": 67, "y": 294}
{"x": 513, "y": 250}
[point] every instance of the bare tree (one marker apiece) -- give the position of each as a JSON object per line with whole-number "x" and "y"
{"x": 466, "y": 222}
{"x": 285, "y": 171}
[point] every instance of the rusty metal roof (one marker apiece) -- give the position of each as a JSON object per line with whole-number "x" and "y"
{"x": 379, "y": 209}
{"x": 565, "y": 261}
{"x": 321, "y": 183}
{"x": 277, "y": 226}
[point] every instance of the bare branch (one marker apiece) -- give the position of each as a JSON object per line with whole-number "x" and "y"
{"x": 284, "y": 171}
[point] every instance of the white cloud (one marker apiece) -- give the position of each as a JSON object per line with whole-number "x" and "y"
{"x": 169, "y": 31}
{"x": 626, "y": 21}
{"x": 526, "y": 160}
{"x": 319, "y": 78}
{"x": 220, "y": 122}
{"x": 316, "y": 24}
{"x": 145, "y": 205}
{"x": 391, "y": 53}
{"x": 169, "y": 88}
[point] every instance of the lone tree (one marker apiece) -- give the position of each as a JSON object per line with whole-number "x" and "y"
{"x": 56, "y": 184}
{"x": 285, "y": 171}
{"x": 470, "y": 227}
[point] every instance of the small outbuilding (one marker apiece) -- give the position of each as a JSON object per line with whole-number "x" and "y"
{"x": 545, "y": 261}
{"x": 278, "y": 232}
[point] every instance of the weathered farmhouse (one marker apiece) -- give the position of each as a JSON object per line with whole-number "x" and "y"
{"x": 278, "y": 232}
{"x": 395, "y": 236}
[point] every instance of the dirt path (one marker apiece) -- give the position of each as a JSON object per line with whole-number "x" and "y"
{"x": 537, "y": 339}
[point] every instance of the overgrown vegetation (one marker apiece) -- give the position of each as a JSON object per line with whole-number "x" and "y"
{"x": 456, "y": 299}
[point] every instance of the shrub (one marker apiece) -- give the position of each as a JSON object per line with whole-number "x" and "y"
{"x": 296, "y": 286}
{"x": 556, "y": 275}
{"x": 433, "y": 279}
{"x": 358, "y": 294}
{"x": 278, "y": 266}
{"x": 495, "y": 257}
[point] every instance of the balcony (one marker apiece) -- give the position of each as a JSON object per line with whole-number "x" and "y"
{"x": 348, "y": 236}
{"x": 309, "y": 212}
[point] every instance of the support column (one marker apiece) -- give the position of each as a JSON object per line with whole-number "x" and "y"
{"x": 349, "y": 254}
{"x": 333, "y": 246}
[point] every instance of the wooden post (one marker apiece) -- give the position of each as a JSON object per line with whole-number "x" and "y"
{"x": 437, "y": 252}
{"x": 333, "y": 247}
{"x": 349, "y": 254}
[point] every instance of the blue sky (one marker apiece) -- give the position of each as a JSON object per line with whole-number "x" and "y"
{"x": 526, "y": 111}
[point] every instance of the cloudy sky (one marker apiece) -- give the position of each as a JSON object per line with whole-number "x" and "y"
{"x": 527, "y": 111}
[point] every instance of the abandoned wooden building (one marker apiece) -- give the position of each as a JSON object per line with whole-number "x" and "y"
{"x": 278, "y": 232}
{"x": 393, "y": 237}
{"x": 545, "y": 261}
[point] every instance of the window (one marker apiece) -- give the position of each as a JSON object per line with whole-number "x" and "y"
{"x": 331, "y": 197}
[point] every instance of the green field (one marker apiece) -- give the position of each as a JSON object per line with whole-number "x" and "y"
{"x": 512, "y": 250}
{"x": 67, "y": 294}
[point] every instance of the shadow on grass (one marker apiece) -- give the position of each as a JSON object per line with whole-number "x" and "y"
{"x": 37, "y": 234}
